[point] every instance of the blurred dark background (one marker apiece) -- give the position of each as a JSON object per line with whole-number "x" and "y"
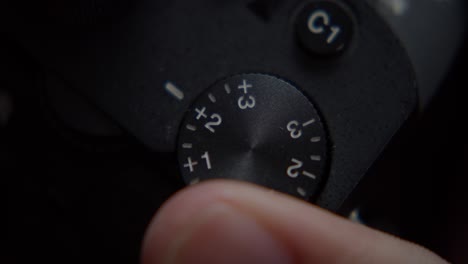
{"x": 70, "y": 197}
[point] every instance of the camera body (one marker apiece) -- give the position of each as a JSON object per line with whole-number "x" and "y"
{"x": 298, "y": 96}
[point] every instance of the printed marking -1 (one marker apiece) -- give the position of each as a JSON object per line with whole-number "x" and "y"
{"x": 174, "y": 91}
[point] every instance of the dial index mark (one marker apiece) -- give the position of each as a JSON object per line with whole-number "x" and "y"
{"x": 308, "y": 174}
{"x": 316, "y": 158}
{"x": 227, "y": 89}
{"x": 212, "y": 98}
{"x": 315, "y": 139}
{"x": 194, "y": 181}
{"x": 301, "y": 191}
{"x": 191, "y": 127}
{"x": 173, "y": 90}
{"x": 187, "y": 145}
{"x": 310, "y": 122}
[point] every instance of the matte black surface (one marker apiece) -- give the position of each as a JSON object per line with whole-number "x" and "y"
{"x": 364, "y": 95}
{"x": 432, "y": 32}
{"x": 256, "y": 128}
{"x": 70, "y": 15}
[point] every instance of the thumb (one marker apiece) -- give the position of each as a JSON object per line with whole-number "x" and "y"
{"x": 231, "y": 222}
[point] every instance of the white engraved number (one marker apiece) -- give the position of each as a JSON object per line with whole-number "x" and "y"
{"x": 293, "y": 128}
{"x": 293, "y": 169}
{"x": 217, "y": 120}
{"x": 314, "y": 18}
{"x": 192, "y": 163}
{"x": 244, "y": 104}
{"x": 335, "y": 32}
{"x": 206, "y": 157}
{"x": 316, "y": 28}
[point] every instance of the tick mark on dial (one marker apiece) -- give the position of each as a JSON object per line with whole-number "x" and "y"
{"x": 194, "y": 181}
{"x": 227, "y": 88}
{"x": 316, "y": 158}
{"x": 315, "y": 139}
{"x": 301, "y": 191}
{"x": 173, "y": 90}
{"x": 310, "y": 122}
{"x": 187, "y": 145}
{"x": 191, "y": 127}
{"x": 212, "y": 98}
{"x": 308, "y": 174}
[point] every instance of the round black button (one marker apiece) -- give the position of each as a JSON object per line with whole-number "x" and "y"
{"x": 256, "y": 128}
{"x": 325, "y": 27}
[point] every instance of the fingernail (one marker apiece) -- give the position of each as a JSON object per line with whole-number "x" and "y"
{"x": 221, "y": 234}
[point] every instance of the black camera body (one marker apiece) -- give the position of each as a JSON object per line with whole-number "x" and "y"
{"x": 298, "y": 96}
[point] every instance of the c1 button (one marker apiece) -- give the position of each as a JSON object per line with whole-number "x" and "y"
{"x": 325, "y": 27}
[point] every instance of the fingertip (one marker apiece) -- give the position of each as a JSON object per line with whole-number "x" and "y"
{"x": 169, "y": 219}
{"x": 245, "y": 223}
{"x": 199, "y": 225}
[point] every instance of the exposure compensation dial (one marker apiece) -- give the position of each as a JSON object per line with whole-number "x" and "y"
{"x": 257, "y": 128}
